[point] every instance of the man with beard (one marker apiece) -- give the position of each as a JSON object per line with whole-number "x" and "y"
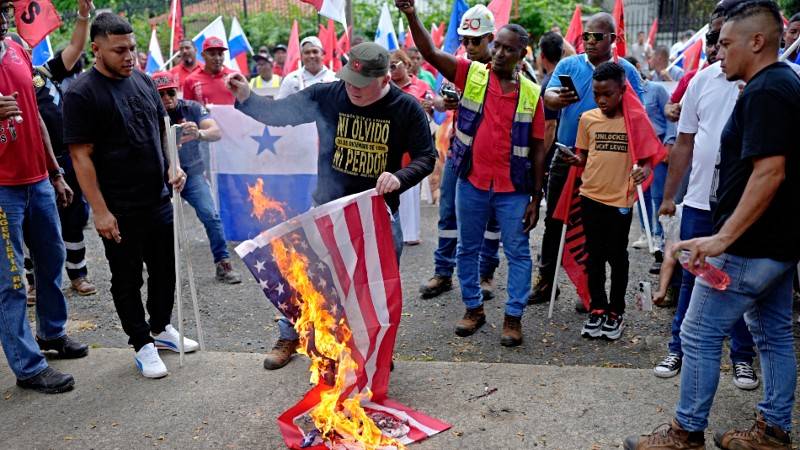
{"x": 188, "y": 64}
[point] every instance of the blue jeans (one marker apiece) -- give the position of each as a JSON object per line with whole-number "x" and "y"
{"x": 198, "y": 194}
{"x": 445, "y": 255}
{"x": 286, "y": 328}
{"x": 475, "y": 207}
{"x": 28, "y": 213}
{"x": 656, "y": 197}
{"x": 697, "y": 223}
{"x": 761, "y": 291}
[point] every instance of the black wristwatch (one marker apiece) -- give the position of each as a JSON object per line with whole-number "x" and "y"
{"x": 55, "y": 173}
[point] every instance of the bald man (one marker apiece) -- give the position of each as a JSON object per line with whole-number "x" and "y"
{"x": 754, "y": 197}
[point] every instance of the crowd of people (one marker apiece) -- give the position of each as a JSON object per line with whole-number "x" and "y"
{"x": 75, "y": 140}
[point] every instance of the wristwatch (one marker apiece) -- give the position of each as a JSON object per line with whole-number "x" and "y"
{"x": 55, "y": 173}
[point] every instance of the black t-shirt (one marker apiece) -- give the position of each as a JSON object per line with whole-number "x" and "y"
{"x": 356, "y": 144}
{"x": 763, "y": 124}
{"x": 47, "y": 81}
{"x": 121, "y": 119}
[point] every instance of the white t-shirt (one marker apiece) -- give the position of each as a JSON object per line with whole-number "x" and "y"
{"x": 707, "y": 105}
{"x": 301, "y": 79}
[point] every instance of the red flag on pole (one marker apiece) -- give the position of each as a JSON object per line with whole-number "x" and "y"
{"x": 502, "y": 12}
{"x": 568, "y": 210}
{"x": 437, "y": 34}
{"x": 575, "y": 31}
{"x": 328, "y": 37}
{"x": 293, "y": 50}
{"x": 651, "y": 38}
{"x": 619, "y": 17}
{"x": 692, "y": 56}
{"x": 35, "y": 19}
{"x": 643, "y": 143}
{"x": 175, "y": 20}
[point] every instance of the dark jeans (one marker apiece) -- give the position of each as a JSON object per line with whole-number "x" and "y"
{"x": 606, "y": 229}
{"x": 146, "y": 239}
{"x": 73, "y": 220}
{"x": 698, "y": 223}
{"x": 552, "y": 228}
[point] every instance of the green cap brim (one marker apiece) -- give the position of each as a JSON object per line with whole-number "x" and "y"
{"x": 354, "y": 78}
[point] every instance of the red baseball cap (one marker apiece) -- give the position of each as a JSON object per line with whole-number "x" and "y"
{"x": 214, "y": 42}
{"x": 164, "y": 80}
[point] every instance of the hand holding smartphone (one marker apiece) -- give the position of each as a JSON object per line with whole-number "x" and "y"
{"x": 567, "y": 83}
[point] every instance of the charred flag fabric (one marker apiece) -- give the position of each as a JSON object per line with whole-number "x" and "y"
{"x": 264, "y": 175}
{"x": 346, "y": 254}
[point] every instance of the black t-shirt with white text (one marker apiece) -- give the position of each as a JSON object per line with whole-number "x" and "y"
{"x": 763, "y": 124}
{"x": 356, "y": 144}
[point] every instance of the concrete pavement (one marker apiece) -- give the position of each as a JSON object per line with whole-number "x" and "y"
{"x": 227, "y": 400}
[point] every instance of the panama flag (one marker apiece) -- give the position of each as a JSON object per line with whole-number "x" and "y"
{"x": 264, "y": 175}
{"x": 217, "y": 29}
{"x": 332, "y": 9}
{"x": 239, "y": 47}
{"x": 42, "y": 52}
{"x": 155, "y": 61}
{"x": 385, "y": 35}
{"x": 690, "y": 48}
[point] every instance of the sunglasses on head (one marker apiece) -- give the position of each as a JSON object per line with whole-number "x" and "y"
{"x": 169, "y": 92}
{"x": 597, "y": 36}
{"x": 474, "y": 40}
{"x": 712, "y": 37}
{"x": 395, "y": 65}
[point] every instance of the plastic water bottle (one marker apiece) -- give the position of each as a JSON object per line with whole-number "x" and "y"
{"x": 716, "y": 278}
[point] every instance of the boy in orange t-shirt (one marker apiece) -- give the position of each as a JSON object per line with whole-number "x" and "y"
{"x": 608, "y": 188}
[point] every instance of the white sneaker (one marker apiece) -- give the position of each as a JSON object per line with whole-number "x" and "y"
{"x": 640, "y": 243}
{"x": 170, "y": 340}
{"x": 149, "y": 363}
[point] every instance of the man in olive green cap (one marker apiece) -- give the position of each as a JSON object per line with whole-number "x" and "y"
{"x": 365, "y": 125}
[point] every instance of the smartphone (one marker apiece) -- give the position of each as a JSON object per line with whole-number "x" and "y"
{"x": 450, "y": 92}
{"x": 565, "y": 150}
{"x": 566, "y": 81}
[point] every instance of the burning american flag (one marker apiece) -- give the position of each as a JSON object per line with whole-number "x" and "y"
{"x": 333, "y": 272}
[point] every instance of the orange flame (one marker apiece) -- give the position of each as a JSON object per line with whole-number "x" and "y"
{"x": 324, "y": 340}
{"x": 262, "y": 203}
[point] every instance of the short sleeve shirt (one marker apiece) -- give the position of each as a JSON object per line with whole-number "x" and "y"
{"x": 655, "y": 99}
{"x": 183, "y": 73}
{"x": 606, "y": 178}
{"x": 491, "y": 148}
{"x": 208, "y": 89}
{"x": 763, "y": 124}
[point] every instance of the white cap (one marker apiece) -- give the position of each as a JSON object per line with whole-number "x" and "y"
{"x": 313, "y": 40}
{"x": 477, "y": 21}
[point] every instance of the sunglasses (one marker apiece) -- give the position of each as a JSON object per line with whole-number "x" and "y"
{"x": 169, "y": 92}
{"x": 598, "y": 37}
{"x": 474, "y": 40}
{"x": 395, "y": 65}
{"x": 712, "y": 37}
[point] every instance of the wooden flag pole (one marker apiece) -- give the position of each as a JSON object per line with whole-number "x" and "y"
{"x": 172, "y": 150}
{"x": 554, "y": 287}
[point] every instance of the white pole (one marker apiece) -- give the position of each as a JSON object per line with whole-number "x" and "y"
{"x": 645, "y": 218}
{"x": 789, "y": 50}
{"x": 172, "y": 33}
{"x": 699, "y": 35}
{"x": 554, "y": 287}
{"x": 172, "y": 148}
{"x": 192, "y": 286}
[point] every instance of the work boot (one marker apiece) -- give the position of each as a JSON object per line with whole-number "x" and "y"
{"x": 48, "y": 381}
{"x": 473, "y": 319}
{"x": 226, "y": 274}
{"x": 83, "y": 287}
{"x": 281, "y": 353}
{"x": 667, "y": 437}
{"x": 512, "y": 331}
{"x": 760, "y": 436}
{"x": 487, "y": 288}
{"x": 65, "y": 346}
{"x": 541, "y": 293}
{"x": 436, "y": 286}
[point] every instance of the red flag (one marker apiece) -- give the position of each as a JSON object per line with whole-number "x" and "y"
{"x": 175, "y": 21}
{"x": 651, "y": 38}
{"x": 619, "y": 17}
{"x": 342, "y": 48}
{"x": 502, "y": 12}
{"x": 437, "y": 34}
{"x": 575, "y": 30}
{"x": 409, "y": 40}
{"x": 568, "y": 210}
{"x": 643, "y": 143}
{"x": 328, "y": 37}
{"x": 293, "y": 51}
{"x": 35, "y": 19}
{"x": 692, "y": 56}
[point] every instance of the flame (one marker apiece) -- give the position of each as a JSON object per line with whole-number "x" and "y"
{"x": 324, "y": 340}
{"x": 262, "y": 203}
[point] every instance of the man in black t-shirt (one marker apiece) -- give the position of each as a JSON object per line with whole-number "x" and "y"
{"x": 755, "y": 242}
{"x": 114, "y": 126}
{"x": 365, "y": 126}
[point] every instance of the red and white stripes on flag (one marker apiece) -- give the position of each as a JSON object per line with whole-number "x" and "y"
{"x": 349, "y": 242}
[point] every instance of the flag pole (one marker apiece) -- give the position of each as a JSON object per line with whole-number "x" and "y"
{"x": 789, "y": 51}
{"x": 699, "y": 35}
{"x": 645, "y": 218}
{"x": 190, "y": 274}
{"x": 554, "y": 286}
{"x": 174, "y": 10}
{"x": 172, "y": 147}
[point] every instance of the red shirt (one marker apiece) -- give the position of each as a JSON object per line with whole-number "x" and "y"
{"x": 417, "y": 88}
{"x": 491, "y": 149}
{"x": 683, "y": 84}
{"x": 277, "y": 70}
{"x": 208, "y": 89}
{"x": 182, "y": 72}
{"x": 22, "y": 153}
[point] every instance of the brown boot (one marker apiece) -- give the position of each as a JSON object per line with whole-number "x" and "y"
{"x": 436, "y": 286}
{"x": 512, "y": 331}
{"x": 760, "y": 436}
{"x": 472, "y": 320}
{"x": 671, "y": 437}
{"x": 83, "y": 287}
{"x": 281, "y": 353}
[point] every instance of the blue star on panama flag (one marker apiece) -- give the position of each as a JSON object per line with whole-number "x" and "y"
{"x": 266, "y": 142}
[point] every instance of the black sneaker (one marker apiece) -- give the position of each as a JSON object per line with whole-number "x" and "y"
{"x": 65, "y": 347}
{"x": 669, "y": 367}
{"x": 49, "y": 381}
{"x": 592, "y": 326}
{"x": 612, "y": 327}
{"x": 744, "y": 376}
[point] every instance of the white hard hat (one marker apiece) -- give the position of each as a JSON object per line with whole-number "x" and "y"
{"x": 477, "y": 21}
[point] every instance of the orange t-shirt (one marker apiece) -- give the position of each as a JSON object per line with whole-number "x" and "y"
{"x": 607, "y": 176}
